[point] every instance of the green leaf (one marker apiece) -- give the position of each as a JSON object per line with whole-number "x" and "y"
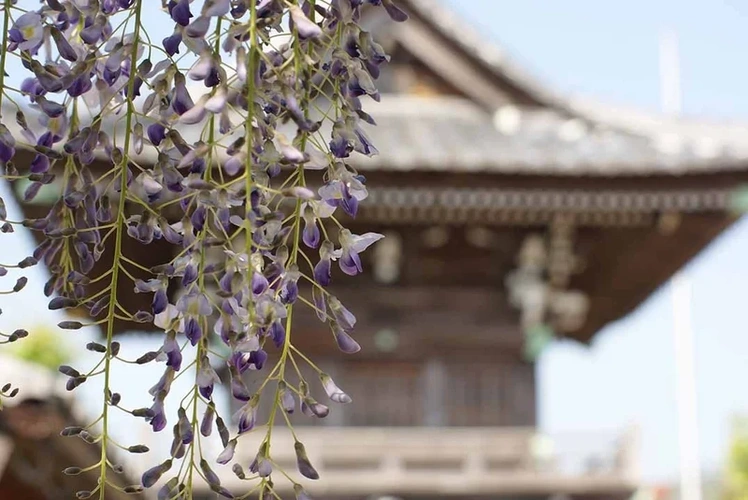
{"x": 537, "y": 339}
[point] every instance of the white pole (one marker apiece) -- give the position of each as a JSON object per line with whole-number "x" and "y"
{"x": 688, "y": 425}
{"x": 688, "y": 438}
{"x": 670, "y": 93}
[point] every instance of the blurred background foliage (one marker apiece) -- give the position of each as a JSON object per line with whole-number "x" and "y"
{"x": 37, "y": 348}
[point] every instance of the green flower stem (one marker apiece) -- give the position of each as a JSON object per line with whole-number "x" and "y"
{"x": 296, "y": 239}
{"x": 4, "y": 52}
{"x": 248, "y": 127}
{"x": 202, "y": 345}
{"x": 116, "y": 262}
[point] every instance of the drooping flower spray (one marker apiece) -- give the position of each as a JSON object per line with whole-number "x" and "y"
{"x": 227, "y": 140}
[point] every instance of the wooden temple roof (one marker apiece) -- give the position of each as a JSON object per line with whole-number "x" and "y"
{"x": 451, "y": 134}
{"x": 467, "y": 138}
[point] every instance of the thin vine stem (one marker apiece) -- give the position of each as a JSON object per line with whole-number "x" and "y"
{"x": 116, "y": 264}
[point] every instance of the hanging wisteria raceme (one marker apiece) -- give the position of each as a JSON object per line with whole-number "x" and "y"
{"x": 245, "y": 178}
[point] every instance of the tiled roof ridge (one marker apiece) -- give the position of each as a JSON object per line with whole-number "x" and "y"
{"x": 627, "y": 119}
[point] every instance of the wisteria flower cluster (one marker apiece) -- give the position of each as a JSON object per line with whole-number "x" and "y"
{"x": 245, "y": 177}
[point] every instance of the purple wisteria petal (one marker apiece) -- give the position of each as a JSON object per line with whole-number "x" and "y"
{"x": 7, "y": 145}
{"x": 333, "y": 391}
{"x": 246, "y": 416}
{"x": 171, "y": 43}
{"x": 198, "y": 28}
{"x": 206, "y": 378}
{"x": 213, "y": 8}
{"x": 344, "y": 318}
{"x": 304, "y": 27}
{"x": 28, "y": 31}
{"x": 345, "y": 342}
{"x": 180, "y": 12}
{"x": 182, "y": 101}
{"x": 173, "y": 353}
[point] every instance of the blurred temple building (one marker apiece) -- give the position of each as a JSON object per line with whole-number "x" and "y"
{"x": 33, "y": 454}
{"x": 512, "y": 216}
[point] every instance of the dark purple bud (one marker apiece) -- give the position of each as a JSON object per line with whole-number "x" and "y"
{"x": 91, "y": 34}
{"x": 39, "y": 165}
{"x": 185, "y": 427}
{"x": 156, "y": 133}
{"x": 206, "y": 378}
{"x": 223, "y": 431}
{"x": 33, "y": 189}
{"x": 180, "y": 12}
{"x": 228, "y": 453}
{"x": 277, "y": 333}
{"x": 27, "y": 262}
{"x": 169, "y": 233}
{"x": 198, "y": 217}
{"x": 322, "y": 272}
{"x": 395, "y": 13}
{"x": 304, "y": 27}
{"x": 70, "y": 325}
{"x": 311, "y": 234}
{"x": 147, "y": 357}
{"x": 173, "y": 353}
{"x": 143, "y": 317}
{"x": 349, "y": 203}
{"x": 258, "y": 357}
{"x": 345, "y": 342}
{"x": 63, "y": 46}
{"x": 310, "y": 407}
{"x": 96, "y": 347}
{"x": 169, "y": 490}
{"x": 198, "y": 28}
{"x": 99, "y": 305}
{"x": 345, "y": 318}
{"x": 190, "y": 275}
{"x": 157, "y": 417}
{"x": 69, "y": 371}
{"x": 226, "y": 282}
{"x": 247, "y": 415}
{"x": 72, "y": 383}
{"x": 210, "y": 476}
{"x": 206, "y": 424}
{"x": 171, "y": 43}
{"x": 287, "y": 401}
{"x": 182, "y": 102}
{"x": 261, "y": 465}
{"x": 221, "y": 491}
{"x": 7, "y": 148}
{"x": 152, "y": 475}
{"x": 239, "y": 390}
{"x": 302, "y": 461}
{"x": 320, "y": 304}
{"x": 80, "y": 86}
{"x": 193, "y": 331}
{"x": 62, "y": 303}
{"x": 213, "y": 8}
{"x": 297, "y": 488}
{"x": 160, "y": 301}
{"x": 259, "y": 283}
{"x": 20, "y": 284}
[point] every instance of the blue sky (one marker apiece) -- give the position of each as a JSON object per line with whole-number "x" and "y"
{"x": 606, "y": 50}
{"x": 609, "y": 51}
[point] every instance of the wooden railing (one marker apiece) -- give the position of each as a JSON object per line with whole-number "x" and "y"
{"x": 448, "y": 461}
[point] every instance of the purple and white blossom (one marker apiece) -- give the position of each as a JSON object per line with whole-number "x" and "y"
{"x": 27, "y": 33}
{"x": 209, "y": 150}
